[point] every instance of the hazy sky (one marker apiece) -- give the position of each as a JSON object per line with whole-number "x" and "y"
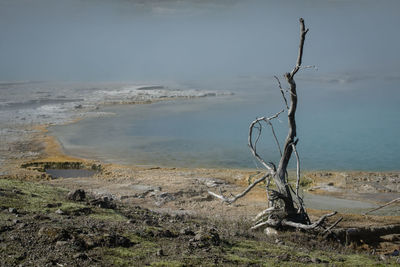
{"x": 130, "y": 40}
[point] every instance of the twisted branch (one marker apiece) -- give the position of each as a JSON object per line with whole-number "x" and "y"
{"x": 253, "y": 147}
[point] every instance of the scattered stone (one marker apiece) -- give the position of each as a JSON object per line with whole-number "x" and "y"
{"x": 141, "y": 191}
{"x": 210, "y": 182}
{"x": 131, "y": 221}
{"x": 82, "y": 211}
{"x": 17, "y": 191}
{"x": 160, "y": 252}
{"x": 382, "y": 257}
{"x": 103, "y": 202}
{"x": 77, "y": 195}
{"x": 163, "y": 198}
{"x": 166, "y": 196}
{"x": 315, "y": 260}
{"x": 186, "y": 231}
{"x": 207, "y": 238}
{"x": 395, "y": 253}
{"x": 81, "y": 256}
{"x": 12, "y": 210}
{"x": 15, "y": 221}
{"x": 61, "y": 243}
{"x": 21, "y": 225}
{"x": 115, "y": 240}
{"x": 60, "y": 212}
{"x": 166, "y": 233}
{"x": 269, "y": 231}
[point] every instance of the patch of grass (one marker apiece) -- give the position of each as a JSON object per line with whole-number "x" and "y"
{"x": 31, "y": 197}
{"x": 306, "y": 182}
{"x": 167, "y": 264}
{"x": 28, "y": 196}
{"x": 132, "y": 256}
{"x": 240, "y": 260}
{"x": 107, "y": 215}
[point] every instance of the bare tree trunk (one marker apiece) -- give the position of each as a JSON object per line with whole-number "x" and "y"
{"x": 280, "y": 177}
{"x": 285, "y": 211}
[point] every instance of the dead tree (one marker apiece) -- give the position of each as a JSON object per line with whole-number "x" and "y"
{"x": 286, "y": 206}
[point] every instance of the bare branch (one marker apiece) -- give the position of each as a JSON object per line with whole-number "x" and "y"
{"x": 234, "y": 198}
{"x": 259, "y": 225}
{"x": 308, "y": 226}
{"x": 309, "y": 67}
{"x": 282, "y": 92}
{"x": 384, "y": 205}
{"x": 253, "y": 148}
{"x": 297, "y": 170}
{"x": 303, "y": 33}
{"x": 276, "y": 139}
{"x": 264, "y": 212}
{"x": 333, "y": 225}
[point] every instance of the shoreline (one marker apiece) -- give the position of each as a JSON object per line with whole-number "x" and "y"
{"x": 323, "y": 183}
{"x": 36, "y": 147}
{"x": 178, "y": 192}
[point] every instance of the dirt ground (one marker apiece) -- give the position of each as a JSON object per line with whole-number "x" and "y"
{"x": 172, "y": 199}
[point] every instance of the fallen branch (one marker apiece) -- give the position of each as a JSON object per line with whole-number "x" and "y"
{"x": 349, "y": 235}
{"x": 384, "y": 205}
{"x": 234, "y": 198}
{"x": 308, "y": 226}
{"x": 264, "y": 212}
{"x": 327, "y": 230}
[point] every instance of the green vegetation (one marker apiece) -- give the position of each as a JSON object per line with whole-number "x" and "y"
{"x": 84, "y": 234}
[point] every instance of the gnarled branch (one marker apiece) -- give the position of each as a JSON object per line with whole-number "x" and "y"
{"x": 234, "y": 198}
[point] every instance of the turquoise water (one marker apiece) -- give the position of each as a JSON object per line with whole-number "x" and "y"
{"x": 345, "y": 126}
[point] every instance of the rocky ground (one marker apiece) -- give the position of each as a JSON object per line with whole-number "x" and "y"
{"x": 44, "y": 225}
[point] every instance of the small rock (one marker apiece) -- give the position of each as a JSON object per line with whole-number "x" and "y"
{"x": 382, "y": 257}
{"x": 60, "y": 212}
{"x": 12, "y": 210}
{"x": 166, "y": 197}
{"x": 115, "y": 240}
{"x": 186, "y": 231}
{"x": 315, "y": 260}
{"x": 15, "y": 221}
{"x": 395, "y": 253}
{"x": 21, "y": 225}
{"x": 160, "y": 252}
{"x": 103, "y": 202}
{"x": 17, "y": 191}
{"x": 77, "y": 195}
{"x": 269, "y": 231}
{"x": 81, "y": 256}
{"x": 131, "y": 221}
{"x": 61, "y": 244}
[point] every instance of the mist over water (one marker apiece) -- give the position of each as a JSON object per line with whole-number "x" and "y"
{"x": 348, "y": 106}
{"x": 173, "y": 40}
